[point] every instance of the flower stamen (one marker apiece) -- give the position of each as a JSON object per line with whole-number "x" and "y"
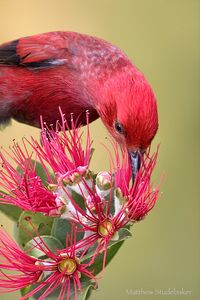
{"x": 106, "y": 228}
{"x": 67, "y": 266}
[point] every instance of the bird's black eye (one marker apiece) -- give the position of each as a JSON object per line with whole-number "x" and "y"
{"x": 118, "y": 127}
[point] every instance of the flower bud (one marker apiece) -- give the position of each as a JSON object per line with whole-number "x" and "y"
{"x": 103, "y": 184}
{"x": 118, "y": 200}
{"x": 52, "y": 187}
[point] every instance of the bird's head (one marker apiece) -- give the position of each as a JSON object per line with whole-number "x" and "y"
{"x": 129, "y": 111}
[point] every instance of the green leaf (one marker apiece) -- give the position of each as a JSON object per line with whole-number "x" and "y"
{"x": 62, "y": 227}
{"x": 26, "y": 290}
{"x": 52, "y": 243}
{"x": 11, "y": 211}
{"x": 78, "y": 199}
{"x": 112, "y": 249}
{"x": 39, "y": 171}
{"x": 30, "y": 222}
{"x": 86, "y": 288}
{"x": 97, "y": 266}
{"x": 123, "y": 234}
{"x": 86, "y": 291}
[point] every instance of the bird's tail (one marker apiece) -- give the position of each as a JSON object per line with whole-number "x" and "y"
{"x": 5, "y": 115}
{"x": 5, "y": 108}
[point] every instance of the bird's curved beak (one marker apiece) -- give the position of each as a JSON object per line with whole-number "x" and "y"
{"x": 135, "y": 159}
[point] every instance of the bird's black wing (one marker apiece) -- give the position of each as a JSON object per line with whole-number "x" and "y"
{"x": 36, "y": 52}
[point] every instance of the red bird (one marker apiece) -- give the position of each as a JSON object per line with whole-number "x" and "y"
{"x": 77, "y": 72}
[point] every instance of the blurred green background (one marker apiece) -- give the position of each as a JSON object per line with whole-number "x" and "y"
{"x": 162, "y": 39}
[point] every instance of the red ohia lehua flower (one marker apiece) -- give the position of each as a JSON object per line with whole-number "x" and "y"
{"x": 64, "y": 154}
{"x": 114, "y": 203}
{"x": 62, "y": 149}
{"x": 140, "y": 197}
{"x": 26, "y": 189}
{"x": 109, "y": 202}
{"x": 59, "y": 271}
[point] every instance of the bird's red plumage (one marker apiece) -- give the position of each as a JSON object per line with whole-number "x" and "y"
{"x": 76, "y": 72}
